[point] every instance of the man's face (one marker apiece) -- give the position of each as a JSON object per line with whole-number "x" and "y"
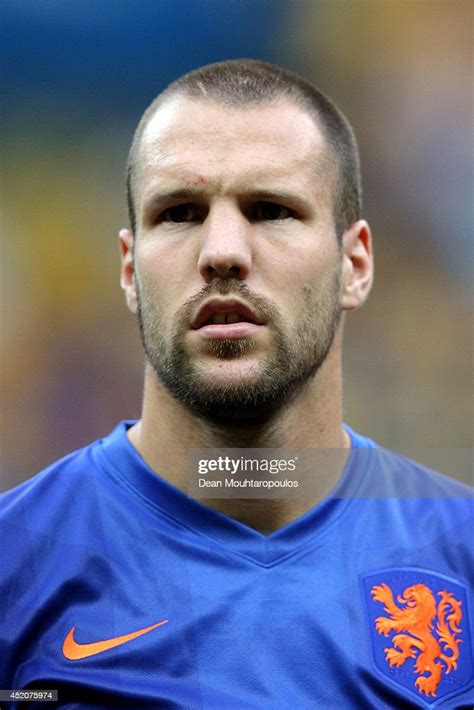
{"x": 237, "y": 266}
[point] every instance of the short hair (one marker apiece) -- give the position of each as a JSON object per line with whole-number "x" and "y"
{"x": 249, "y": 82}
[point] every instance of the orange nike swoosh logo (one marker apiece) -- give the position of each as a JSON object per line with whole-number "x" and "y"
{"x": 75, "y": 651}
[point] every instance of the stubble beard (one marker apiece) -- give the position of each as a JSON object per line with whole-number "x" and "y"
{"x": 296, "y": 355}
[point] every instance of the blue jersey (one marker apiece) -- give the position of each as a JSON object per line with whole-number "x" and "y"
{"x": 119, "y": 590}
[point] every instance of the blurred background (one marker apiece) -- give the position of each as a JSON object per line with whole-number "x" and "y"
{"x": 77, "y": 76}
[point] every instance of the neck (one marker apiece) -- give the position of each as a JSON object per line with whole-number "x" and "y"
{"x": 167, "y": 430}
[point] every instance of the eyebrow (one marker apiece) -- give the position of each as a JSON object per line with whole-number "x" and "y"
{"x": 193, "y": 193}
{"x": 161, "y": 198}
{"x": 276, "y": 196}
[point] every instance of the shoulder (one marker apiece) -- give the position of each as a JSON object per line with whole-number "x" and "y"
{"x": 55, "y": 510}
{"x": 53, "y": 535}
{"x": 392, "y": 475}
{"x": 424, "y": 507}
{"x": 71, "y": 479}
{"x": 64, "y": 498}
{"x": 410, "y": 478}
{"x": 53, "y": 482}
{"x": 55, "y": 524}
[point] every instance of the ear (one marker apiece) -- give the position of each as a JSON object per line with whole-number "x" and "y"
{"x": 357, "y": 266}
{"x": 127, "y": 273}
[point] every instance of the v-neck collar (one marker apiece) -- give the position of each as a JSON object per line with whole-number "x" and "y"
{"x": 121, "y": 460}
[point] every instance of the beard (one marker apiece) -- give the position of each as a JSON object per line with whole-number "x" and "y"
{"x": 295, "y": 356}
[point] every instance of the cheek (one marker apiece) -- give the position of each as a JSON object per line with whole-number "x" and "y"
{"x": 306, "y": 298}
{"x": 308, "y": 290}
{"x": 314, "y": 287}
{"x": 160, "y": 292}
{"x": 161, "y": 276}
{"x": 306, "y": 273}
{"x": 308, "y": 295}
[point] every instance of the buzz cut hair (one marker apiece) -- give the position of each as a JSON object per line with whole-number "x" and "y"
{"x": 242, "y": 83}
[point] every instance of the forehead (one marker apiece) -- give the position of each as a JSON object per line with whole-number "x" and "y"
{"x": 187, "y": 139}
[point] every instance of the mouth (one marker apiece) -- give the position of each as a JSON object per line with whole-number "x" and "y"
{"x": 228, "y": 318}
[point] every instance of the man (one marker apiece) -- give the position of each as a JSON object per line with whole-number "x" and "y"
{"x": 245, "y": 252}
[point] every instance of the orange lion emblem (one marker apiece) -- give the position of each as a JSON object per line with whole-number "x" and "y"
{"x": 435, "y": 652}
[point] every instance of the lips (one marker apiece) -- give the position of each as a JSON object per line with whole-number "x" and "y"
{"x": 224, "y": 313}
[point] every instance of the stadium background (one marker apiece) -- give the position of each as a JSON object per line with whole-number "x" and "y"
{"x": 76, "y": 78}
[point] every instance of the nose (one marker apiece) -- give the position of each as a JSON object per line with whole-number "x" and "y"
{"x": 226, "y": 249}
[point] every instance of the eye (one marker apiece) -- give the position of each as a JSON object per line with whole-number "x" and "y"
{"x": 180, "y": 213}
{"x": 271, "y": 211}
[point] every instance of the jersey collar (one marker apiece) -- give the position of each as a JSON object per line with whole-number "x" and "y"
{"x": 123, "y": 463}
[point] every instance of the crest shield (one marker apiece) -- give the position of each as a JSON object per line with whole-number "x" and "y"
{"x": 419, "y": 628}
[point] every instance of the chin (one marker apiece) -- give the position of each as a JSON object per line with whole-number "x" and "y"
{"x": 229, "y": 373}
{"x": 235, "y": 394}
{"x": 234, "y": 413}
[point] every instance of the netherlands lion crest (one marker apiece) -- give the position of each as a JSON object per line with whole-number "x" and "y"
{"x": 419, "y": 630}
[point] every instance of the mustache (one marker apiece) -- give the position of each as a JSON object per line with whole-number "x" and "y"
{"x": 263, "y": 308}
